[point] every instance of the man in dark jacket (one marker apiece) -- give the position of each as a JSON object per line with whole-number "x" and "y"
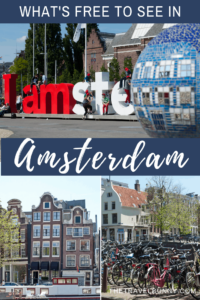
{"x": 34, "y": 81}
{"x": 122, "y": 80}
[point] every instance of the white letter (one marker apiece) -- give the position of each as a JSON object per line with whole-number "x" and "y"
{"x": 78, "y": 170}
{"x": 45, "y": 12}
{"x": 78, "y": 94}
{"x": 66, "y": 165}
{"x": 159, "y": 11}
{"x": 28, "y": 155}
{"x": 77, "y": 11}
{"x": 140, "y": 8}
{"x": 97, "y": 157}
{"x": 113, "y": 159}
{"x": 130, "y": 11}
{"x": 65, "y": 9}
{"x": 87, "y": 10}
{"x": 105, "y": 11}
{"x": 118, "y": 7}
{"x": 154, "y": 161}
{"x": 175, "y": 11}
{"x": 118, "y": 98}
{"x": 136, "y": 153}
{"x": 54, "y": 10}
{"x": 36, "y": 11}
{"x": 96, "y": 10}
{"x": 25, "y": 11}
{"x": 46, "y": 157}
{"x": 149, "y": 11}
{"x": 179, "y": 157}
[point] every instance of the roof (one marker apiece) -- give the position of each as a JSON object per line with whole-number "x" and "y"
{"x": 129, "y": 197}
{"x": 116, "y": 41}
{"x": 105, "y": 38}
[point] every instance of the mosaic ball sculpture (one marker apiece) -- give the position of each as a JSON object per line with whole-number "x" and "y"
{"x": 166, "y": 83}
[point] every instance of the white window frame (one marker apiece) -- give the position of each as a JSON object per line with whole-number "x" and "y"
{"x": 77, "y": 235}
{"x": 86, "y": 233}
{"x": 80, "y": 219}
{"x": 23, "y": 229}
{"x": 56, "y": 247}
{"x": 38, "y": 242}
{"x": 74, "y": 241}
{"x": 38, "y": 236}
{"x": 190, "y": 62}
{"x": 23, "y": 245}
{"x": 71, "y": 229}
{"x": 165, "y": 63}
{"x": 53, "y": 215}
{"x": 43, "y": 216}
{"x": 39, "y": 214}
{"x": 53, "y": 230}
{"x": 46, "y": 247}
{"x": 44, "y": 205}
{"x": 85, "y": 241}
{"x": 80, "y": 260}
{"x": 66, "y": 261}
{"x": 48, "y": 236}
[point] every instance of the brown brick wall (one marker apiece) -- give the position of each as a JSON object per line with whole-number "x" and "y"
{"x": 77, "y": 212}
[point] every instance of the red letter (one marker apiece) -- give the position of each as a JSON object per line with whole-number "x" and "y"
{"x": 10, "y": 90}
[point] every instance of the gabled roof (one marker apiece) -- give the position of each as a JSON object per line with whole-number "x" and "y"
{"x": 129, "y": 197}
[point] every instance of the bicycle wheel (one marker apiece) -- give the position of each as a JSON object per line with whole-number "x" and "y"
{"x": 109, "y": 277}
{"x": 134, "y": 278}
{"x": 117, "y": 275}
{"x": 191, "y": 285}
{"x": 151, "y": 282}
{"x": 127, "y": 275}
{"x": 141, "y": 278}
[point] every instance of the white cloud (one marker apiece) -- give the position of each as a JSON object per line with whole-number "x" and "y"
{"x": 21, "y": 39}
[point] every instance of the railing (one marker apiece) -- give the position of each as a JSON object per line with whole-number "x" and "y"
{"x": 142, "y": 224}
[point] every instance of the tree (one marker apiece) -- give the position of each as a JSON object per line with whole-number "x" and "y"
{"x": 127, "y": 64}
{"x": 9, "y": 236}
{"x": 73, "y": 52}
{"x": 65, "y": 77}
{"x": 103, "y": 69}
{"x": 54, "y": 44}
{"x": 114, "y": 69}
{"x": 76, "y": 77}
{"x": 19, "y": 67}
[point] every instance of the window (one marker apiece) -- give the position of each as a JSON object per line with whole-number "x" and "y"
{"x": 147, "y": 72}
{"x": 54, "y": 274}
{"x": 135, "y": 96}
{"x": 69, "y": 231}
{"x": 56, "y": 249}
{"x": 71, "y": 245}
{"x": 22, "y": 234}
{"x": 109, "y": 194}
{"x": 86, "y": 230}
{"x": 31, "y": 290}
{"x": 56, "y": 230}
{"x": 56, "y": 215}
{"x": 46, "y": 231}
{"x": 86, "y": 291}
{"x": 113, "y": 205}
{"x": 105, "y": 219}
{"x": 70, "y": 261}
{"x": 112, "y": 234}
{"x": 92, "y": 41}
{"x": 78, "y": 232}
{"x": 77, "y": 219}
{"x": 185, "y": 70}
{"x": 15, "y": 251}
{"x": 36, "y": 231}
{"x": 36, "y": 248}
{"x": 114, "y": 218}
{"x": 46, "y": 216}
{"x": 45, "y": 249}
{"x": 136, "y": 73}
{"x": 15, "y": 236}
{"x": 44, "y": 291}
{"x": 36, "y": 216}
{"x": 85, "y": 245}
{"x": 61, "y": 281}
{"x": 93, "y": 57}
{"x": 23, "y": 251}
{"x": 163, "y": 98}
{"x": 46, "y": 205}
{"x": 15, "y": 221}
{"x": 106, "y": 206}
{"x": 84, "y": 260}
{"x": 164, "y": 71}
{"x": 146, "y": 98}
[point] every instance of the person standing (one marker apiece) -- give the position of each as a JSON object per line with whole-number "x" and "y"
{"x": 127, "y": 88}
{"x": 105, "y": 102}
{"x": 19, "y": 102}
{"x": 87, "y": 103}
{"x": 123, "y": 80}
{"x": 44, "y": 79}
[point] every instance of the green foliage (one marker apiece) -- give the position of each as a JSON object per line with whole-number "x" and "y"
{"x": 9, "y": 236}
{"x": 19, "y": 67}
{"x": 103, "y": 69}
{"x": 82, "y": 76}
{"x": 54, "y": 44}
{"x": 76, "y": 77}
{"x": 73, "y": 52}
{"x": 65, "y": 77}
{"x": 114, "y": 69}
{"x": 127, "y": 64}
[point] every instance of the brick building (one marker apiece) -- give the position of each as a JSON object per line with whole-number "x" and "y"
{"x": 122, "y": 45}
{"x": 47, "y": 250}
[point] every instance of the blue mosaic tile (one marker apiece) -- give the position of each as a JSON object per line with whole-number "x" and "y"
{"x": 170, "y": 106}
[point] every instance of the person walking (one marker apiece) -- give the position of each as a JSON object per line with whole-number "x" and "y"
{"x": 105, "y": 101}
{"x": 19, "y": 102}
{"x": 88, "y": 97}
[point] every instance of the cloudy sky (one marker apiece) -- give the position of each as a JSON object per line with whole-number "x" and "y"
{"x": 12, "y": 37}
{"x": 29, "y": 189}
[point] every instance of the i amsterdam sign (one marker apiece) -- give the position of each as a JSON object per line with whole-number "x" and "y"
{"x": 66, "y": 98}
